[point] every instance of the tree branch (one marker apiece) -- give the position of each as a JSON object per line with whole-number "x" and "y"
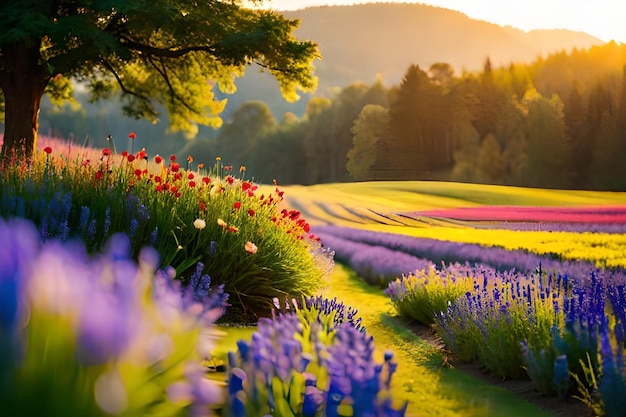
{"x": 163, "y": 72}
{"x": 121, "y": 83}
{"x": 165, "y": 52}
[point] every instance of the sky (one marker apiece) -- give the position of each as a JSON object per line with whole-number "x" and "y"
{"x": 604, "y": 19}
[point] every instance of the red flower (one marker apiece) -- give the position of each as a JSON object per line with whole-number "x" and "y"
{"x": 132, "y": 135}
{"x": 138, "y": 172}
{"x": 245, "y": 186}
{"x": 142, "y": 154}
{"x": 172, "y": 157}
{"x": 228, "y": 167}
{"x": 202, "y": 206}
{"x": 250, "y": 193}
{"x": 175, "y": 167}
{"x": 124, "y": 153}
{"x": 106, "y": 152}
{"x": 130, "y": 158}
{"x": 192, "y": 184}
{"x": 174, "y": 190}
{"x": 157, "y": 179}
{"x": 251, "y": 212}
{"x": 47, "y": 150}
{"x": 159, "y": 188}
{"x": 178, "y": 194}
{"x": 190, "y": 176}
{"x": 206, "y": 180}
{"x": 230, "y": 179}
{"x": 158, "y": 159}
{"x": 99, "y": 175}
{"x": 178, "y": 176}
{"x": 237, "y": 205}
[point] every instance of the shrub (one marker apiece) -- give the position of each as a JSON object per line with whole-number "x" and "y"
{"x": 423, "y": 294}
{"x": 242, "y": 238}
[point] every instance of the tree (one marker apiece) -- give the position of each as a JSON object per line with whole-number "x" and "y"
{"x": 155, "y": 52}
{"x": 547, "y": 147}
{"x": 371, "y": 125}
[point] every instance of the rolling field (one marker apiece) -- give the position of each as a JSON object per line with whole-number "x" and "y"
{"x": 421, "y": 209}
{"x": 418, "y": 209}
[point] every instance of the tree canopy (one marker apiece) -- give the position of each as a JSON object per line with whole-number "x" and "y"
{"x": 159, "y": 54}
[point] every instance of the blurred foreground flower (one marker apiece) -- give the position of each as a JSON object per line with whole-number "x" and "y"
{"x": 100, "y": 335}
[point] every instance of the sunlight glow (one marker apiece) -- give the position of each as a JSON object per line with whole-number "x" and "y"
{"x": 600, "y": 18}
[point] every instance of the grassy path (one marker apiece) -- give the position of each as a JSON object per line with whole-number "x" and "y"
{"x": 431, "y": 390}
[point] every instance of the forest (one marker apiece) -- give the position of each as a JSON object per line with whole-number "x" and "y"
{"x": 557, "y": 122}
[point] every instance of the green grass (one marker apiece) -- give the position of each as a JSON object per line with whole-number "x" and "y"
{"x": 432, "y": 390}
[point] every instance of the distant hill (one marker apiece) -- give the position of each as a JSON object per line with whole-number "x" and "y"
{"x": 360, "y": 41}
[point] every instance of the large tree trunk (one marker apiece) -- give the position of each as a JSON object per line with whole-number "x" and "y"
{"x": 23, "y": 86}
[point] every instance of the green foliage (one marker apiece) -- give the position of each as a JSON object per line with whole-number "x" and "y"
{"x": 368, "y": 129}
{"x": 236, "y": 230}
{"x": 426, "y": 293}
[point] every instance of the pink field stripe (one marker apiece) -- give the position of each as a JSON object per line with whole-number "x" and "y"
{"x": 598, "y": 214}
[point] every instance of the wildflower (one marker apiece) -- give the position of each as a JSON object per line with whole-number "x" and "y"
{"x": 47, "y": 150}
{"x": 250, "y": 247}
{"x": 230, "y": 179}
{"x": 138, "y": 172}
{"x": 237, "y": 205}
{"x": 245, "y": 186}
{"x": 190, "y": 158}
{"x": 130, "y": 158}
{"x": 158, "y": 159}
{"x": 206, "y": 180}
{"x": 221, "y": 223}
{"x": 175, "y": 167}
{"x": 216, "y": 190}
{"x": 217, "y": 158}
{"x": 132, "y": 135}
{"x": 157, "y": 179}
{"x": 242, "y": 168}
{"x": 199, "y": 224}
{"x": 251, "y": 213}
{"x": 106, "y": 152}
{"x": 190, "y": 176}
{"x": 228, "y": 167}
{"x": 192, "y": 184}
{"x": 202, "y": 206}
{"x": 99, "y": 175}
{"x": 200, "y": 165}
{"x": 172, "y": 157}
{"x": 233, "y": 229}
{"x": 124, "y": 154}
